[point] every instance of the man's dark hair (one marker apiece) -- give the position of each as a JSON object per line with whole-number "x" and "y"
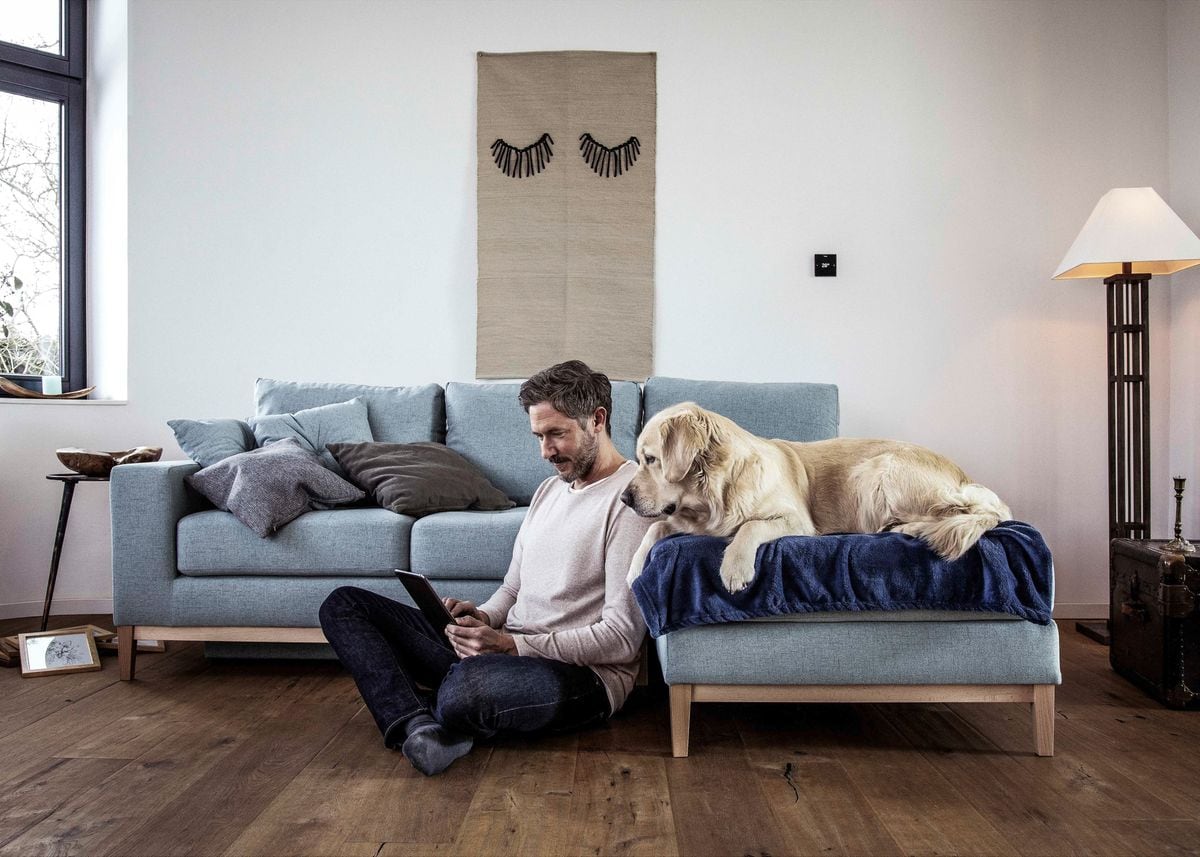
{"x": 571, "y": 388}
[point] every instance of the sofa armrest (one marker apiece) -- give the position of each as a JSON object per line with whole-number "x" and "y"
{"x": 147, "y": 502}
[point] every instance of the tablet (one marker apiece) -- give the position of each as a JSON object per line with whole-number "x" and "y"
{"x": 423, "y": 594}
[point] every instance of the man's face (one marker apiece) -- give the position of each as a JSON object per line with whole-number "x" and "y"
{"x": 564, "y": 443}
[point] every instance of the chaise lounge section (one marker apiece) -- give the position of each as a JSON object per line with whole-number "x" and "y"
{"x": 882, "y": 656}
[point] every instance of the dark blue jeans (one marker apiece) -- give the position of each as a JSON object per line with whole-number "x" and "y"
{"x": 403, "y": 666}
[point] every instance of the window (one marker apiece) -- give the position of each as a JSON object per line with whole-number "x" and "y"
{"x": 42, "y": 108}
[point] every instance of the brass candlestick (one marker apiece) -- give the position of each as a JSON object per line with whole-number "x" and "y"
{"x": 1179, "y": 544}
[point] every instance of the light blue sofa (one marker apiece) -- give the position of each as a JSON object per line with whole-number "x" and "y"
{"x": 185, "y": 571}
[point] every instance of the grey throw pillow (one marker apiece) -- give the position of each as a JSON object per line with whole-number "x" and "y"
{"x": 418, "y": 478}
{"x": 271, "y": 486}
{"x": 208, "y": 441}
{"x": 344, "y": 422}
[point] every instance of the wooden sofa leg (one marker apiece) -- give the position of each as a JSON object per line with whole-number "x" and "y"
{"x": 126, "y": 651}
{"x": 681, "y": 718}
{"x": 1043, "y": 719}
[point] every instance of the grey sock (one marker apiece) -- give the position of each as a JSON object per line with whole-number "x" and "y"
{"x": 418, "y": 721}
{"x": 431, "y": 747}
{"x": 398, "y": 731}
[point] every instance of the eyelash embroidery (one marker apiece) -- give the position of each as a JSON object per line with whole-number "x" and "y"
{"x": 519, "y": 163}
{"x": 606, "y": 162}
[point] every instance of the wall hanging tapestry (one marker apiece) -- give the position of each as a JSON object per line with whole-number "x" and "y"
{"x": 566, "y": 157}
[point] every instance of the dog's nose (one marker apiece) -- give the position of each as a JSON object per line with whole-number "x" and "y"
{"x": 627, "y": 497}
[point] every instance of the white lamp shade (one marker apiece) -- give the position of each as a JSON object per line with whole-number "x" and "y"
{"x": 1130, "y": 224}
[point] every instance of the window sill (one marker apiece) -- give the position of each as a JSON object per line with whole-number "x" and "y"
{"x": 18, "y": 401}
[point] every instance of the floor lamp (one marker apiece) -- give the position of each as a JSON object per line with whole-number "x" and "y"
{"x": 1131, "y": 235}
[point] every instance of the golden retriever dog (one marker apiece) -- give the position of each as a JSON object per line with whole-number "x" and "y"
{"x": 709, "y": 476}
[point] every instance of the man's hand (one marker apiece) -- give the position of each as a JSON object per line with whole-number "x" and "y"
{"x": 472, "y": 637}
{"x": 465, "y": 608}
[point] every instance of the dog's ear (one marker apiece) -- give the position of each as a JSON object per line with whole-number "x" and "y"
{"x": 684, "y": 436}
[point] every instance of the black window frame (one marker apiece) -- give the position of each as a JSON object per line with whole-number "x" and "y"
{"x": 44, "y": 76}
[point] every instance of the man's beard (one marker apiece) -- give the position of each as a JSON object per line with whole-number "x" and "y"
{"x": 583, "y": 462}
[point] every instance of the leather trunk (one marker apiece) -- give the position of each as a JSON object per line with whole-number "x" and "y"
{"x": 1154, "y": 616}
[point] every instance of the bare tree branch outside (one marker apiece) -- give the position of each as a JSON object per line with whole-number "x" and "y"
{"x": 30, "y": 225}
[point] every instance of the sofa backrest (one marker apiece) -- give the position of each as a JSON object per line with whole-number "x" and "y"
{"x": 396, "y": 414}
{"x": 487, "y": 425}
{"x": 794, "y": 411}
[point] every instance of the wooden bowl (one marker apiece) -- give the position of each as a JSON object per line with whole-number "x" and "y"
{"x": 90, "y": 462}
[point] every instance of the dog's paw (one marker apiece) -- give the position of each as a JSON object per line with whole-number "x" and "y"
{"x": 735, "y": 574}
{"x": 635, "y": 571}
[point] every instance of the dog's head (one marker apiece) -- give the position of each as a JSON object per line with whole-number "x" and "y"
{"x": 672, "y": 452}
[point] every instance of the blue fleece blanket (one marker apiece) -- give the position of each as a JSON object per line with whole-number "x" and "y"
{"x": 1008, "y": 571}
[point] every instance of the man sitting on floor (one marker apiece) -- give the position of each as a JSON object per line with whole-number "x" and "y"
{"x": 556, "y": 647}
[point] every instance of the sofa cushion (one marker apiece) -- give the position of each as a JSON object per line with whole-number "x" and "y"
{"x": 467, "y": 545}
{"x": 861, "y": 651}
{"x": 488, "y": 426}
{"x": 355, "y": 542}
{"x": 396, "y": 414}
{"x": 315, "y": 428}
{"x": 209, "y": 441}
{"x": 418, "y": 478}
{"x": 797, "y": 411}
{"x": 278, "y": 602}
{"x": 268, "y": 487}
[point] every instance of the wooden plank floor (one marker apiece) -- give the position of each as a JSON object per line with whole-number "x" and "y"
{"x": 251, "y": 757}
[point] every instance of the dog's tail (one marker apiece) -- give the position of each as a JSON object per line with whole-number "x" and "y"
{"x": 952, "y": 528}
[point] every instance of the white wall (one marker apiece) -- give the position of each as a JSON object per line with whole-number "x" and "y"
{"x": 108, "y": 197}
{"x": 1183, "y": 93}
{"x": 301, "y": 206}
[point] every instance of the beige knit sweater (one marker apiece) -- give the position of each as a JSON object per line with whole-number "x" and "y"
{"x": 564, "y": 596}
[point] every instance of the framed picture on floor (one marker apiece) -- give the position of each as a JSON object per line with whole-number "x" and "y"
{"x": 58, "y": 652}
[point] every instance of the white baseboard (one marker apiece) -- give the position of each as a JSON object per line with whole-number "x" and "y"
{"x": 1081, "y": 611}
{"x": 60, "y": 607}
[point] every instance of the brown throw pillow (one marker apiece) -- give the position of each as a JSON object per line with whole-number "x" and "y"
{"x": 418, "y": 478}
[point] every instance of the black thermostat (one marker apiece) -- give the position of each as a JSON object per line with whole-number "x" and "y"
{"x": 825, "y": 265}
